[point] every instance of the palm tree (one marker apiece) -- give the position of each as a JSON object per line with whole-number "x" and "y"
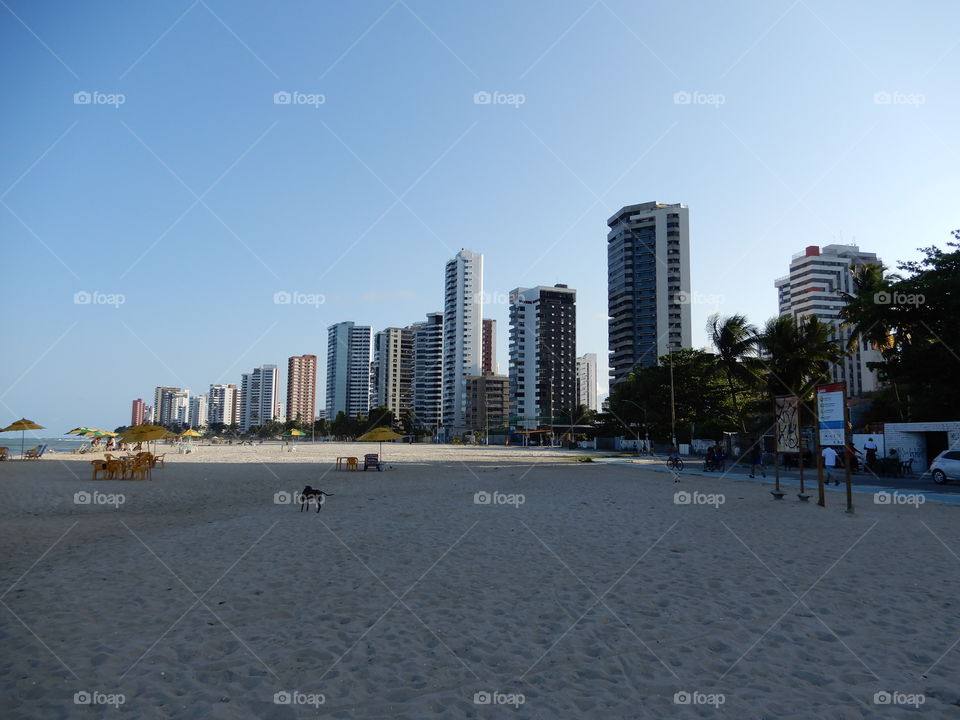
{"x": 735, "y": 341}
{"x": 795, "y": 355}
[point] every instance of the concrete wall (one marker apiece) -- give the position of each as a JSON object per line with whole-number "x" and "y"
{"x": 909, "y": 441}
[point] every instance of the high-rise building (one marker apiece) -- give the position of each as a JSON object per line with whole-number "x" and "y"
{"x": 302, "y": 388}
{"x": 138, "y": 412}
{"x": 587, "y": 381}
{"x": 462, "y": 334}
{"x": 223, "y": 405}
{"x": 148, "y": 416}
{"x": 198, "y": 411}
{"x": 817, "y": 278}
{"x": 178, "y": 407}
{"x": 162, "y": 399}
{"x": 259, "y": 402}
{"x": 348, "y": 370}
{"x": 648, "y": 285}
{"x": 489, "y": 364}
{"x": 543, "y": 349}
{"x": 428, "y": 372}
{"x": 392, "y": 382}
{"x": 488, "y": 401}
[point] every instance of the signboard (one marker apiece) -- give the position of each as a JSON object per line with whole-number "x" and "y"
{"x": 830, "y": 413}
{"x": 787, "y": 416}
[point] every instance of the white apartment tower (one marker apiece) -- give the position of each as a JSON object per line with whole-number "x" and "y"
{"x": 817, "y": 278}
{"x": 348, "y": 370}
{"x": 198, "y": 411}
{"x": 462, "y": 334}
{"x": 223, "y": 405}
{"x": 648, "y": 285}
{"x": 543, "y": 366}
{"x": 587, "y": 381}
{"x": 259, "y": 400}
{"x": 392, "y": 382}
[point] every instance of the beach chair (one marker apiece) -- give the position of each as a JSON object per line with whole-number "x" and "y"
{"x": 372, "y": 460}
{"x": 352, "y": 464}
{"x": 4, "y": 453}
{"x": 154, "y": 459}
{"x": 140, "y": 467}
{"x": 35, "y": 453}
{"x": 99, "y": 466}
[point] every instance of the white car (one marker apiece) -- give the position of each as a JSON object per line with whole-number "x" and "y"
{"x": 946, "y": 466}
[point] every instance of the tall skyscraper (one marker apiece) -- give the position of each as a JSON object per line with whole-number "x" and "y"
{"x": 162, "y": 399}
{"x": 259, "y": 402}
{"x": 490, "y": 346}
{"x": 462, "y": 334}
{"x": 302, "y": 388}
{"x": 198, "y": 411}
{"x": 587, "y": 381}
{"x": 348, "y": 370}
{"x": 428, "y": 372}
{"x": 177, "y": 407}
{"x": 543, "y": 349}
{"x": 138, "y": 412}
{"x": 223, "y": 405}
{"x": 648, "y": 285}
{"x": 393, "y": 370}
{"x": 814, "y": 286}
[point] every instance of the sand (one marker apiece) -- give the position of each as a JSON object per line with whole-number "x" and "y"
{"x": 581, "y": 590}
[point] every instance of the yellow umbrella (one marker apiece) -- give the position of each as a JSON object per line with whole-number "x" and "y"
{"x": 143, "y": 433}
{"x": 379, "y": 435}
{"x": 22, "y": 425}
{"x": 77, "y": 431}
{"x": 191, "y": 433}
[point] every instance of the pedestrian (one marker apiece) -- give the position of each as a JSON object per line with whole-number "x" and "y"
{"x": 870, "y": 447}
{"x": 756, "y": 458}
{"x": 830, "y": 462}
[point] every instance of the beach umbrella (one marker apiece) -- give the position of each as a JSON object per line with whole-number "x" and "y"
{"x": 379, "y": 435}
{"x": 22, "y": 425}
{"x": 293, "y": 433}
{"x": 77, "y": 431}
{"x": 191, "y": 433}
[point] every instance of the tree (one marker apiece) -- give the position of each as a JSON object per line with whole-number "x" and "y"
{"x": 795, "y": 355}
{"x": 735, "y": 341}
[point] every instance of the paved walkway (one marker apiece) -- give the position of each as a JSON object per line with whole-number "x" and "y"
{"x": 862, "y": 483}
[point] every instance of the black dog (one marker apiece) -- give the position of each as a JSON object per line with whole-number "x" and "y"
{"x": 310, "y": 495}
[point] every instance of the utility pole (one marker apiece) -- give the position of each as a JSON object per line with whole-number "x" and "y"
{"x": 673, "y": 404}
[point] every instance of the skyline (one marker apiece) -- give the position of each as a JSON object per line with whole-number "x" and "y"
{"x": 198, "y": 199}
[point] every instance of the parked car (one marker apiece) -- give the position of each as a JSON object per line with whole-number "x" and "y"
{"x": 946, "y": 466}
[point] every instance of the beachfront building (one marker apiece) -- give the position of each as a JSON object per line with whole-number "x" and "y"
{"x": 148, "y": 415}
{"x": 818, "y": 277}
{"x": 648, "y": 285}
{"x": 137, "y": 412}
{"x": 462, "y": 335}
{"x": 198, "y": 411}
{"x": 178, "y": 410}
{"x": 302, "y": 388}
{"x": 489, "y": 363}
{"x": 587, "y": 381}
{"x": 163, "y": 405}
{"x": 543, "y": 348}
{"x": 223, "y": 405}
{"x": 392, "y": 374}
{"x": 428, "y": 372}
{"x": 348, "y": 370}
{"x": 259, "y": 402}
{"x": 488, "y": 402}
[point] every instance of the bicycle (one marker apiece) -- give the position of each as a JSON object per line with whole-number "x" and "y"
{"x": 675, "y": 464}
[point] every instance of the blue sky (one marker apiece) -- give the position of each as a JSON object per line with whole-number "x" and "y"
{"x": 198, "y": 198}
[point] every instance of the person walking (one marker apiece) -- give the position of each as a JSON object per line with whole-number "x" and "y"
{"x": 870, "y": 448}
{"x": 830, "y": 463}
{"x": 756, "y": 458}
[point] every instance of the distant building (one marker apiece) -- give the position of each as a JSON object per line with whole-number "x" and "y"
{"x": 814, "y": 286}
{"x": 648, "y": 285}
{"x": 543, "y": 342}
{"x": 462, "y": 334}
{"x": 163, "y": 409}
{"x": 302, "y": 388}
{"x": 223, "y": 405}
{"x": 587, "y": 381}
{"x": 348, "y": 370}
{"x": 393, "y": 368}
{"x": 198, "y": 411}
{"x": 428, "y": 372}
{"x": 138, "y": 412}
{"x": 259, "y": 402}
{"x": 178, "y": 407}
{"x": 489, "y": 346}
{"x": 488, "y": 405}
{"x": 148, "y": 416}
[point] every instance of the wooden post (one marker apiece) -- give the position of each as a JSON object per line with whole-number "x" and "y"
{"x": 847, "y": 440}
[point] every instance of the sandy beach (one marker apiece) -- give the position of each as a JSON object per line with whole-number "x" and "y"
{"x": 465, "y": 583}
